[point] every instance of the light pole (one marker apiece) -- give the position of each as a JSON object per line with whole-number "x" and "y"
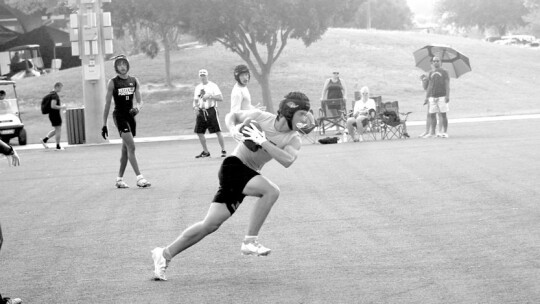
{"x": 91, "y": 37}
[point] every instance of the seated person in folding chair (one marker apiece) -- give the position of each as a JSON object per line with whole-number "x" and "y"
{"x": 334, "y": 88}
{"x": 363, "y": 109}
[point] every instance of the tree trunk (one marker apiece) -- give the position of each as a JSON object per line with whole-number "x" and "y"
{"x": 266, "y": 92}
{"x": 167, "y": 54}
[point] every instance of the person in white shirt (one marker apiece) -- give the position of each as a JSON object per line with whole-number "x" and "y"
{"x": 205, "y": 99}
{"x": 240, "y": 97}
{"x": 363, "y": 109}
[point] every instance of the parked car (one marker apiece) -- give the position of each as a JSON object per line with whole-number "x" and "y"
{"x": 11, "y": 124}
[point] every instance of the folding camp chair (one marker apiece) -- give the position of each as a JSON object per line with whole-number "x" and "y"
{"x": 393, "y": 123}
{"x": 372, "y": 126}
{"x": 332, "y": 113}
{"x": 306, "y": 129}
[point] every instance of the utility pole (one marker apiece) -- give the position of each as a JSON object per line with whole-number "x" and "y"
{"x": 91, "y": 37}
{"x": 368, "y": 14}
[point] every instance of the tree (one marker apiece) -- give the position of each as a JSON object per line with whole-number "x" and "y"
{"x": 502, "y": 15}
{"x": 165, "y": 19}
{"x": 385, "y": 15}
{"x": 534, "y": 16}
{"x": 258, "y": 30}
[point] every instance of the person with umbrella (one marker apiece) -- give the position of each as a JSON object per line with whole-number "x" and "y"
{"x": 435, "y": 58}
{"x": 438, "y": 97}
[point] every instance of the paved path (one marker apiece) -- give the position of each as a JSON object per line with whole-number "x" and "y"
{"x": 192, "y": 137}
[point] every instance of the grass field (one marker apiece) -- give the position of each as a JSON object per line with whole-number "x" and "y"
{"x": 502, "y": 81}
{"x": 399, "y": 221}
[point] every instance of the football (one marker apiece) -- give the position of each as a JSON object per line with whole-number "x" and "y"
{"x": 249, "y": 143}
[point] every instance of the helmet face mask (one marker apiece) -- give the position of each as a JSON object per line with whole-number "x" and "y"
{"x": 293, "y": 102}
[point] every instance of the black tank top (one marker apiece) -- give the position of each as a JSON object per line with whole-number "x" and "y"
{"x": 123, "y": 92}
{"x": 334, "y": 89}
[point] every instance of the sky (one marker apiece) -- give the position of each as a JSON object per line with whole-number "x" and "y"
{"x": 421, "y": 7}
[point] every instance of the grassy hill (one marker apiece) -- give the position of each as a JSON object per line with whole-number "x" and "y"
{"x": 504, "y": 79}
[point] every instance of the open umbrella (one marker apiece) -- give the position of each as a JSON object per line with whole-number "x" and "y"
{"x": 452, "y": 61}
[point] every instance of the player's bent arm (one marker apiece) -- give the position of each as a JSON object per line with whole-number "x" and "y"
{"x": 217, "y": 97}
{"x": 286, "y": 156}
{"x": 55, "y": 104}
{"x": 108, "y": 98}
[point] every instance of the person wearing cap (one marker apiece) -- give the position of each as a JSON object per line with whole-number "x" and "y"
{"x": 123, "y": 89}
{"x": 207, "y": 95}
{"x": 239, "y": 176}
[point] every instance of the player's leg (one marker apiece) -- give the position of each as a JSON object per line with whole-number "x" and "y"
{"x": 428, "y": 123}
{"x": 360, "y": 126}
{"x": 200, "y": 129}
{"x": 57, "y": 135}
{"x": 129, "y": 144}
{"x": 123, "y": 160}
{"x": 433, "y": 121}
{"x": 350, "y": 127}
{"x": 202, "y": 139}
{"x": 217, "y": 214}
{"x": 444, "y": 124}
{"x": 221, "y": 140}
{"x": 268, "y": 193}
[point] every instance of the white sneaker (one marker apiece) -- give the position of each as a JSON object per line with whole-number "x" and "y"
{"x": 423, "y": 134}
{"x": 160, "y": 264}
{"x": 143, "y": 183}
{"x": 254, "y": 248}
{"x": 44, "y": 144}
{"x": 120, "y": 184}
{"x": 444, "y": 135}
{"x": 428, "y": 136}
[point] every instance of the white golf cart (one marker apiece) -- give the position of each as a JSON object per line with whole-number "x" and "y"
{"x": 11, "y": 124}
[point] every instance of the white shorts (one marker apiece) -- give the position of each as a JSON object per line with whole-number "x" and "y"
{"x": 438, "y": 105}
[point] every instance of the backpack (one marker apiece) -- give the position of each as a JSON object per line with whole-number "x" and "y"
{"x": 390, "y": 117}
{"x": 46, "y": 103}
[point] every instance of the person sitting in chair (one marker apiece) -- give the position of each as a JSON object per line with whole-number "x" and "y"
{"x": 364, "y": 109}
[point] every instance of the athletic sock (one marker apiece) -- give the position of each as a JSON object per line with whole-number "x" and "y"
{"x": 119, "y": 178}
{"x": 250, "y": 239}
{"x": 45, "y": 139}
{"x": 167, "y": 254}
{"x": 140, "y": 177}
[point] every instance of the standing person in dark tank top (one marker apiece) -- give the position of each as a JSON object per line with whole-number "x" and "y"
{"x": 334, "y": 88}
{"x": 123, "y": 88}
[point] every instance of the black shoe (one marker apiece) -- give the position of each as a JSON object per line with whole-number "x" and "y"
{"x": 406, "y": 135}
{"x": 203, "y": 154}
{"x": 223, "y": 153}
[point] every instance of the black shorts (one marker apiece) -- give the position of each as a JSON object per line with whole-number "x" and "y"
{"x": 233, "y": 177}
{"x": 55, "y": 118}
{"x": 125, "y": 123}
{"x": 207, "y": 120}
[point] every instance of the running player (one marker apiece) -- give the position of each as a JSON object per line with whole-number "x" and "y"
{"x": 239, "y": 176}
{"x": 123, "y": 88}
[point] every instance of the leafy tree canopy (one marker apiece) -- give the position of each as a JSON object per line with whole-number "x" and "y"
{"x": 484, "y": 13}
{"x": 258, "y": 30}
